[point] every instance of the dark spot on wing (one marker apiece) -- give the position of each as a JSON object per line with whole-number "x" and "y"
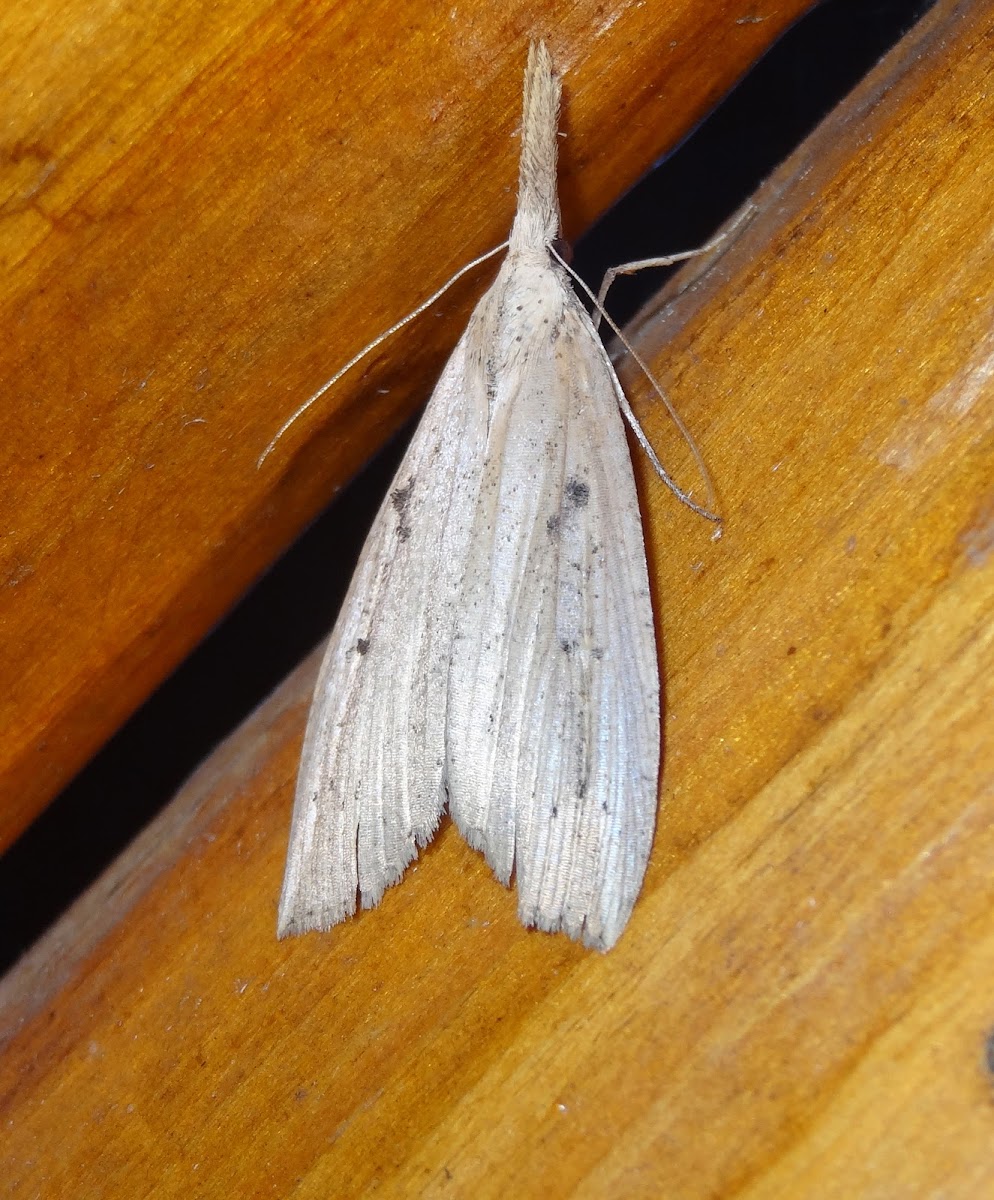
{"x": 400, "y": 498}
{"x": 362, "y": 645}
{"x": 577, "y": 493}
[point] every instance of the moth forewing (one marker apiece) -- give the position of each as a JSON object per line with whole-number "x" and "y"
{"x": 553, "y": 732}
{"x": 370, "y": 786}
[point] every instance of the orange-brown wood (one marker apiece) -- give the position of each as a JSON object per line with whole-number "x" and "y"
{"x": 801, "y": 1005}
{"x": 206, "y": 211}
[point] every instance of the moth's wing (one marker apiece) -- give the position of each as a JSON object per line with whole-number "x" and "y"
{"x": 553, "y": 744}
{"x": 369, "y": 789}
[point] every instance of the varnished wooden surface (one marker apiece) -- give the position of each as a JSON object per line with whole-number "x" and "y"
{"x": 206, "y": 211}
{"x": 801, "y": 1005}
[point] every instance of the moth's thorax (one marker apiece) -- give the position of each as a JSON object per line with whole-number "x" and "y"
{"x": 530, "y": 297}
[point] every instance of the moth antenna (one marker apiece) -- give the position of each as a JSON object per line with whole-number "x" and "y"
{"x": 369, "y": 347}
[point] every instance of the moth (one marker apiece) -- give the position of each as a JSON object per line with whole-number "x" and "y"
{"x": 496, "y": 651}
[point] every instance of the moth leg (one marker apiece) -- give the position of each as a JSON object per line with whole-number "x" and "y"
{"x": 667, "y": 260}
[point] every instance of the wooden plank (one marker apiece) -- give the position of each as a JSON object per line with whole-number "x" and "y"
{"x": 208, "y": 211}
{"x": 801, "y": 1005}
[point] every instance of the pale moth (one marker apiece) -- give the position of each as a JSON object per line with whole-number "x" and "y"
{"x": 496, "y": 649}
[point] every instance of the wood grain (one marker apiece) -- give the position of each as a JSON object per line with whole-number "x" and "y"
{"x": 801, "y": 1005}
{"x": 207, "y": 210}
